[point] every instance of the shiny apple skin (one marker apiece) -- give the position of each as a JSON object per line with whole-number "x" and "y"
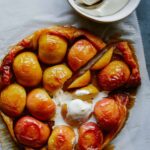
{"x": 114, "y": 75}
{"x": 90, "y": 137}
{"x": 52, "y": 49}
{"x": 27, "y": 69}
{"x": 62, "y": 138}
{"x": 31, "y": 132}
{"x": 108, "y": 114}
{"x": 54, "y": 77}
{"x": 40, "y": 105}
{"x": 80, "y": 53}
{"x": 13, "y": 100}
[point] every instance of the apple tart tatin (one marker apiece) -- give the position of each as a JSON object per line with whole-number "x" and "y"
{"x": 51, "y": 84}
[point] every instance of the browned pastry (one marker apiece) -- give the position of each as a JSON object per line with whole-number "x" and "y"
{"x": 10, "y": 125}
{"x": 31, "y": 132}
{"x": 70, "y": 33}
{"x": 62, "y": 138}
{"x": 129, "y": 58}
{"x": 6, "y": 69}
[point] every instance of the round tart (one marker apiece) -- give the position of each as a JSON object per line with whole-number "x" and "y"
{"x": 51, "y": 87}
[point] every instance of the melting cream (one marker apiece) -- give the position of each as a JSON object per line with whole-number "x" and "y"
{"x": 78, "y": 109}
{"x": 105, "y": 8}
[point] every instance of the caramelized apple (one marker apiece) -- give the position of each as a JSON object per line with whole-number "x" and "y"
{"x": 107, "y": 113}
{"x": 27, "y": 69}
{"x": 62, "y": 138}
{"x": 40, "y": 104}
{"x": 31, "y": 132}
{"x": 13, "y": 100}
{"x": 114, "y": 75}
{"x": 80, "y": 53}
{"x": 81, "y": 81}
{"x": 86, "y": 93}
{"x": 111, "y": 114}
{"x": 102, "y": 62}
{"x": 90, "y": 137}
{"x": 52, "y": 49}
{"x": 54, "y": 77}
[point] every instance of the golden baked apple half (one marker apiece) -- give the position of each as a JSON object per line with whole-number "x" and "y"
{"x": 62, "y": 137}
{"x": 63, "y": 88}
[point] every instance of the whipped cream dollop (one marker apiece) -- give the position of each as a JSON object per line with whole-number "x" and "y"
{"x": 78, "y": 109}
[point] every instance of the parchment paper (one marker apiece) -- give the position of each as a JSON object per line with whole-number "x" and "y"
{"x": 19, "y": 18}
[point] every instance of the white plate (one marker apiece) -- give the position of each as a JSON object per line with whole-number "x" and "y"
{"x": 127, "y": 10}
